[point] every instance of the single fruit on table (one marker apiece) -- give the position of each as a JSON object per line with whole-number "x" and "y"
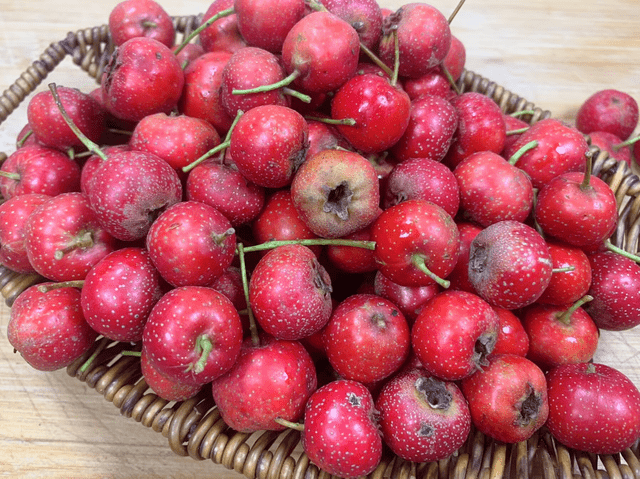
{"x": 48, "y": 328}
{"x": 509, "y": 264}
{"x": 422, "y": 419}
{"x": 341, "y": 433}
{"x": 271, "y": 379}
{"x": 593, "y": 407}
{"x": 454, "y": 333}
{"x": 508, "y": 398}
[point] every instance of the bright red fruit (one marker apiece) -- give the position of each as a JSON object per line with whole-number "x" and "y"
{"x": 193, "y": 335}
{"x": 269, "y": 380}
{"x": 608, "y": 110}
{"x": 567, "y": 287}
{"x": 48, "y": 328}
{"x": 119, "y": 292}
{"x": 367, "y": 338}
{"x": 290, "y": 293}
{"x": 340, "y": 431}
{"x": 191, "y": 244}
{"x": 593, "y": 408}
{"x": 264, "y": 25}
{"x": 412, "y": 237}
{"x": 141, "y": 18}
{"x": 508, "y": 398}
{"x": 512, "y": 338}
{"x": 410, "y": 299}
{"x": 166, "y": 388}
{"x": 223, "y": 34}
{"x": 422, "y": 418}
{"x": 454, "y": 333}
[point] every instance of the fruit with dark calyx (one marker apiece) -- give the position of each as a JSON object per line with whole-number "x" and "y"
{"x": 47, "y": 327}
{"x": 141, "y": 18}
{"x": 367, "y": 338}
{"x": 38, "y": 169}
{"x": 508, "y": 398}
{"x": 422, "y": 418}
{"x": 340, "y": 432}
{"x": 336, "y": 193}
{"x": 560, "y": 334}
{"x": 142, "y": 77}
{"x": 191, "y": 244}
{"x": 270, "y": 380}
{"x": 509, "y": 264}
{"x": 417, "y": 243}
{"x": 290, "y": 293}
{"x": 614, "y": 287}
{"x": 119, "y": 292}
{"x": 193, "y": 335}
{"x": 454, "y": 333}
{"x": 593, "y": 407}
{"x": 64, "y": 238}
{"x": 14, "y": 214}
{"x": 608, "y": 110}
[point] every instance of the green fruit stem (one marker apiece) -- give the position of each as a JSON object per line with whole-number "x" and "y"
{"x": 418, "y": 260}
{"x": 375, "y": 59}
{"x": 286, "y": 81}
{"x": 253, "y": 326}
{"x": 136, "y": 354}
{"x": 611, "y": 247}
{"x": 518, "y": 131}
{"x": 448, "y": 76}
{"x": 586, "y": 181}
{"x": 10, "y": 175}
{"x": 565, "y": 316}
{"x": 83, "y": 240}
{"x": 523, "y": 149}
{"x": 566, "y": 269}
{"x": 291, "y": 425}
{"x": 371, "y": 245}
{"x": 45, "y": 288}
{"x": 516, "y": 114}
{"x": 204, "y": 346}
{"x": 208, "y": 23}
{"x": 333, "y": 121}
{"x": 455, "y": 11}
{"x": 24, "y": 138}
{"x": 90, "y": 145}
{"x": 628, "y": 142}
{"x": 396, "y": 61}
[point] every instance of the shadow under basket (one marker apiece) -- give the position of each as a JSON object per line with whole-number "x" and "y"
{"x": 194, "y": 427}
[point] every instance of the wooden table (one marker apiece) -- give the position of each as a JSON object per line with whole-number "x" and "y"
{"x": 553, "y": 52}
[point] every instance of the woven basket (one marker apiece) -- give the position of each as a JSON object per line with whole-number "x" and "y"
{"x": 194, "y": 427}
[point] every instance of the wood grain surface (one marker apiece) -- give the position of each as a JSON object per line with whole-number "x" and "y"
{"x": 554, "y": 53}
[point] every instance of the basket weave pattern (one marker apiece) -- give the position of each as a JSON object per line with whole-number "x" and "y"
{"x": 194, "y": 427}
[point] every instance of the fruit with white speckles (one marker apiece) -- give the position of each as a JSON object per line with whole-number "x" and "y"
{"x": 38, "y": 169}
{"x": 492, "y": 190}
{"x": 433, "y": 121}
{"x": 290, "y": 293}
{"x": 270, "y": 380}
{"x": 177, "y": 139}
{"x": 64, "y": 238}
{"x": 425, "y": 179}
{"x": 481, "y": 127}
{"x": 614, "y": 287}
{"x": 166, "y": 388}
{"x": 410, "y": 299}
{"x": 336, "y": 193}
{"x": 454, "y": 333}
{"x": 593, "y": 407}
{"x": 141, "y": 18}
{"x": 268, "y": 145}
{"x": 130, "y": 190}
{"x": 193, "y": 335}
{"x": 422, "y": 418}
{"x": 567, "y": 287}
{"x": 509, "y": 264}
{"x": 14, "y": 214}
{"x": 560, "y": 149}
{"x": 417, "y": 243}
{"x": 608, "y": 110}
{"x": 424, "y": 38}
{"x": 227, "y": 190}
{"x": 266, "y": 24}
{"x": 560, "y": 334}
{"x": 119, "y": 292}
{"x": 341, "y": 434}
{"x": 508, "y": 398}
{"x": 367, "y": 338}
{"x": 578, "y": 209}
{"x": 459, "y": 277}
{"x": 48, "y": 328}
{"x": 364, "y": 16}
{"x": 142, "y": 77}
{"x": 191, "y": 244}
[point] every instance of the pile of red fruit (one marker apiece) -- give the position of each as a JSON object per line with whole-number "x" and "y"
{"x": 298, "y": 210}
